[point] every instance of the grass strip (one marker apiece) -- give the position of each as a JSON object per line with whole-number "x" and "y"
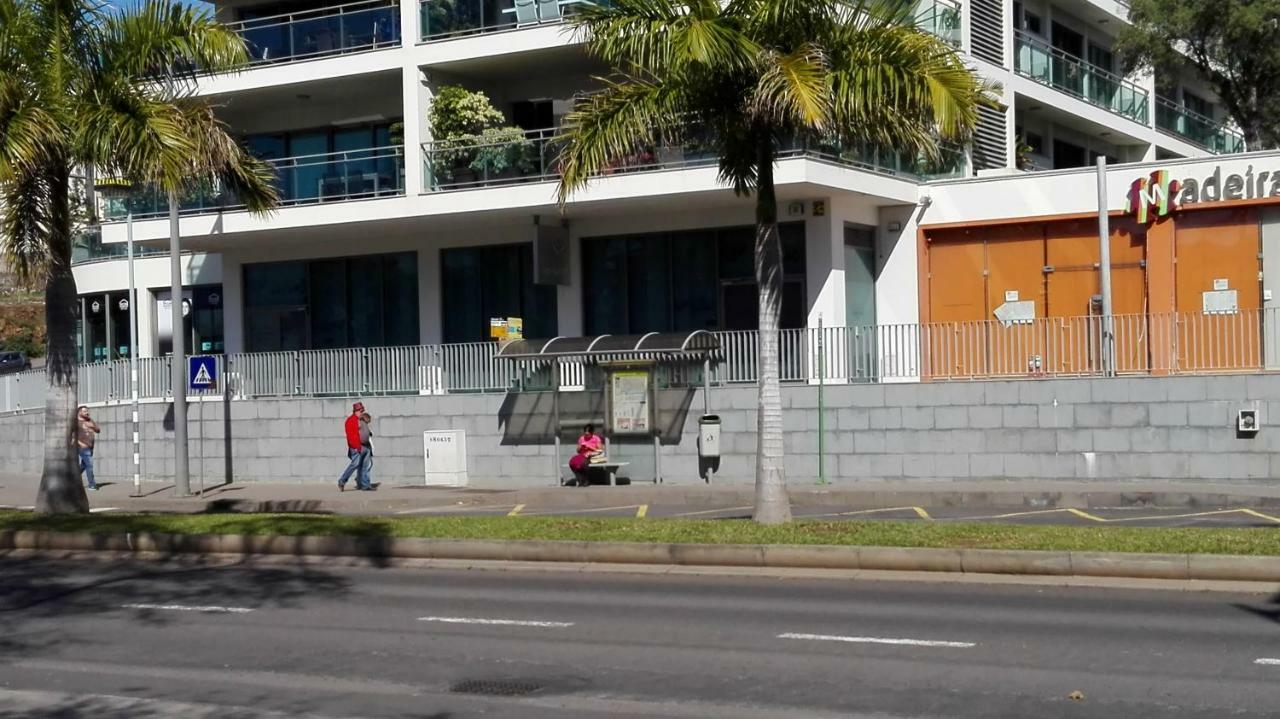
{"x": 1241, "y": 541}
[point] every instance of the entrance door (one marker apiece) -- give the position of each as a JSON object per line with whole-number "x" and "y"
{"x": 860, "y": 301}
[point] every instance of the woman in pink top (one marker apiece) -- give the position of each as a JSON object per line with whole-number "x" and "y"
{"x": 589, "y": 445}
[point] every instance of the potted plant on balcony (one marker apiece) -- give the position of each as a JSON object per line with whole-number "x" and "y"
{"x": 471, "y": 141}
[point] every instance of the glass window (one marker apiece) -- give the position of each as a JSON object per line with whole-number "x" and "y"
{"x": 683, "y": 281}
{"x": 369, "y": 301}
{"x": 480, "y": 283}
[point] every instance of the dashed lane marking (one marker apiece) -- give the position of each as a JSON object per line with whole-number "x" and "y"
{"x": 713, "y": 511}
{"x": 1268, "y": 661}
{"x": 96, "y": 510}
{"x": 879, "y": 640}
{"x": 919, "y": 511}
{"x": 497, "y": 622}
{"x": 641, "y": 511}
{"x": 582, "y": 511}
{"x": 210, "y": 609}
{"x": 516, "y": 510}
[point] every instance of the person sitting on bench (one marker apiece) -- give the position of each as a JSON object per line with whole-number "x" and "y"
{"x": 589, "y": 445}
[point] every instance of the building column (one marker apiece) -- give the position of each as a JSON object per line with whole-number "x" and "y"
{"x": 416, "y": 98}
{"x": 233, "y": 308}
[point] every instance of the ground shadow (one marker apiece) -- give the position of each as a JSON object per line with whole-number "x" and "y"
{"x": 1269, "y": 610}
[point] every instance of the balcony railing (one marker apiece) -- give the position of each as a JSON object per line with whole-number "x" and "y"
{"x": 1196, "y": 128}
{"x": 311, "y": 179}
{"x": 942, "y": 18}
{"x": 1189, "y": 343}
{"x": 441, "y": 19}
{"x": 1050, "y": 66}
{"x": 517, "y": 157}
{"x": 310, "y": 34}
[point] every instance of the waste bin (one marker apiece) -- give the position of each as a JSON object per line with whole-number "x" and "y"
{"x": 709, "y": 436}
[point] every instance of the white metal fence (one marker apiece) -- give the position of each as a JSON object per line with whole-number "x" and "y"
{"x": 1196, "y": 343}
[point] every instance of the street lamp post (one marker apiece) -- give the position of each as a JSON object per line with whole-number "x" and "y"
{"x": 119, "y": 188}
{"x": 181, "y": 468}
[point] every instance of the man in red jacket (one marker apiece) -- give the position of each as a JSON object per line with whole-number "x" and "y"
{"x": 355, "y": 452}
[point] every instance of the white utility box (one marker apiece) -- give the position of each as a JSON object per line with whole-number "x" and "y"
{"x": 444, "y": 454}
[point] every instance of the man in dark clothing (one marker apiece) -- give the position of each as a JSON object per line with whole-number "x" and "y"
{"x": 355, "y": 451}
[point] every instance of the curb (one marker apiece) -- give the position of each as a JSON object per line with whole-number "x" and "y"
{"x": 967, "y": 561}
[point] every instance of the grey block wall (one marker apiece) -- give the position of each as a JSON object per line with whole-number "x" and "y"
{"x": 1172, "y": 429}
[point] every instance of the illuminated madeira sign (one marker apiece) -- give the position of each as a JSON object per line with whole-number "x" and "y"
{"x": 1159, "y": 194}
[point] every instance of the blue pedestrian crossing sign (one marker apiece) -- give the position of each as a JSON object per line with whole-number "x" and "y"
{"x": 202, "y": 373}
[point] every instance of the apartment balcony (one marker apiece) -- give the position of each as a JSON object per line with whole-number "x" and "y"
{"x": 521, "y": 157}
{"x": 1196, "y": 128}
{"x": 323, "y": 32}
{"x": 445, "y": 19}
{"x": 1050, "y": 66}
{"x": 941, "y": 18}
{"x": 313, "y": 179}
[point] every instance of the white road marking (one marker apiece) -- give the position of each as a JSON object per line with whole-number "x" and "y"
{"x": 878, "y": 640}
{"x": 188, "y": 608}
{"x": 95, "y": 510}
{"x": 1267, "y": 661}
{"x": 498, "y": 622}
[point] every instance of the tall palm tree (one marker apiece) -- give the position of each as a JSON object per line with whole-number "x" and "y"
{"x": 85, "y": 86}
{"x": 747, "y": 75}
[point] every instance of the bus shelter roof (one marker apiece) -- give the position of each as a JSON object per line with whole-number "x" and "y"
{"x": 698, "y": 342}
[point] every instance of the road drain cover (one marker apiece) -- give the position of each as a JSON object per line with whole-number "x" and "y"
{"x": 495, "y": 687}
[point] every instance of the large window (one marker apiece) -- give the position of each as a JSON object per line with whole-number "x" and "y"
{"x": 683, "y": 281}
{"x": 369, "y": 301}
{"x": 330, "y": 162}
{"x": 481, "y": 283}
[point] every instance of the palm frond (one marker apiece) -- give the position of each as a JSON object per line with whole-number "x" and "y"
{"x": 663, "y": 37}
{"x": 25, "y": 224}
{"x": 26, "y": 129}
{"x": 169, "y": 43}
{"x": 611, "y": 124}
{"x": 792, "y": 89}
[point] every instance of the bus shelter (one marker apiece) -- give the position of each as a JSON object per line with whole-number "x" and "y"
{"x": 630, "y": 370}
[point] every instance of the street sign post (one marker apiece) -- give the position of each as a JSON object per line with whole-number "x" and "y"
{"x": 202, "y": 373}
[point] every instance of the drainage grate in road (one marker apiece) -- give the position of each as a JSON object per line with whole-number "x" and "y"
{"x": 495, "y": 687}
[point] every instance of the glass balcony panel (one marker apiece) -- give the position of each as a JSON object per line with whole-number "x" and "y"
{"x": 1049, "y": 66}
{"x": 1196, "y": 128}
{"x": 354, "y": 27}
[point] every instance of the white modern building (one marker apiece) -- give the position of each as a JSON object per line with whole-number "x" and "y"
{"x": 390, "y": 237}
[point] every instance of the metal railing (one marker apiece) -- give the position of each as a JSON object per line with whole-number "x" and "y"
{"x": 443, "y": 19}
{"x": 941, "y": 18}
{"x": 1245, "y": 341}
{"x": 307, "y": 179}
{"x": 310, "y": 34}
{"x": 511, "y": 156}
{"x": 1050, "y": 66}
{"x": 1194, "y": 127}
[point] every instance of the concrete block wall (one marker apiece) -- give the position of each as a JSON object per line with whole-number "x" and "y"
{"x": 1167, "y": 429}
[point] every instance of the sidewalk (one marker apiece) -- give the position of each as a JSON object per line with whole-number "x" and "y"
{"x": 690, "y": 498}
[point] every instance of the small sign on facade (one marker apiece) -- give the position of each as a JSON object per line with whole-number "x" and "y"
{"x": 1221, "y": 285}
{"x": 1010, "y": 295}
{"x": 1221, "y": 302}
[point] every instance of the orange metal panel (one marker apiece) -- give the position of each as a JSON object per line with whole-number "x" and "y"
{"x": 1210, "y": 247}
{"x": 953, "y": 342}
{"x": 1015, "y": 264}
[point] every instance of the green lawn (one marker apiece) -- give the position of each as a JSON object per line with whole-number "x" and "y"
{"x": 1257, "y": 541}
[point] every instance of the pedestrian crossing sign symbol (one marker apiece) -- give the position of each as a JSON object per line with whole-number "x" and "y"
{"x": 202, "y": 373}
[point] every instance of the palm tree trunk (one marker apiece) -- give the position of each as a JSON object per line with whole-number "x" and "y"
{"x": 60, "y": 489}
{"x": 773, "y": 506}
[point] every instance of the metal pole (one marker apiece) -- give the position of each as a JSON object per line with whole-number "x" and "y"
{"x": 1104, "y": 273}
{"x": 133, "y": 362}
{"x": 822, "y": 371}
{"x": 181, "y": 470}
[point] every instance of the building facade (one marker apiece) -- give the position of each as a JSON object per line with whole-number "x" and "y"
{"x": 391, "y": 236}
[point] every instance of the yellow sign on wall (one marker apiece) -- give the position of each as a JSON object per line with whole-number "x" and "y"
{"x": 506, "y": 328}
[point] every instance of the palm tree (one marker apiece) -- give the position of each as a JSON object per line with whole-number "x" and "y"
{"x": 84, "y": 87}
{"x": 747, "y": 75}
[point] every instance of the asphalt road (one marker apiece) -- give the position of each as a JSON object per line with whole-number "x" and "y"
{"x": 143, "y": 640}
